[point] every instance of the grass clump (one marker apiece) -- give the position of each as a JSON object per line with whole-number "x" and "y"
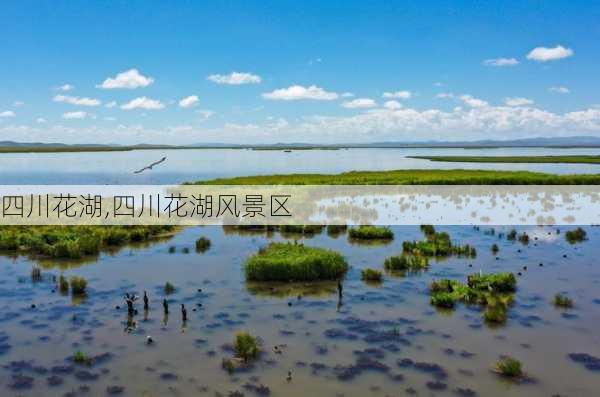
{"x": 80, "y": 358}
{"x": 246, "y": 346}
{"x": 405, "y": 262}
{"x": 336, "y": 230}
{"x": 512, "y": 235}
{"x": 495, "y": 249}
{"x": 63, "y": 284}
{"x": 494, "y": 282}
{"x": 563, "y": 301}
{"x": 576, "y": 236}
{"x": 509, "y": 367}
{"x": 202, "y": 244}
{"x": 305, "y": 230}
{"x": 366, "y": 232}
{"x": 524, "y": 238}
{"x": 169, "y": 288}
{"x": 78, "y": 285}
{"x": 437, "y": 244}
{"x": 294, "y": 262}
{"x": 371, "y": 275}
{"x": 36, "y": 274}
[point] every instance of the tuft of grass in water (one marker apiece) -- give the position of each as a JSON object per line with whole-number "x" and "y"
{"x": 294, "y": 262}
{"x": 365, "y": 232}
{"x": 406, "y": 262}
{"x": 494, "y": 282}
{"x": 512, "y": 235}
{"x": 73, "y": 242}
{"x": 80, "y": 358}
{"x": 36, "y": 274}
{"x": 371, "y": 275}
{"x": 78, "y": 285}
{"x": 437, "y": 244}
{"x": 202, "y": 244}
{"x": 524, "y": 238}
{"x": 185, "y": 250}
{"x": 336, "y": 230}
{"x": 563, "y": 301}
{"x": 495, "y": 248}
{"x": 305, "y": 230}
{"x": 509, "y": 367}
{"x": 172, "y": 249}
{"x": 169, "y": 288}
{"x": 246, "y": 346}
{"x": 413, "y": 177}
{"x": 576, "y": 236}
{"x": 63, "y": 284}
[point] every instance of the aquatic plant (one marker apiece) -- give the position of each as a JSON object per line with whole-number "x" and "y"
{"x": 202, "y": 244}
{"x": 512, "y": 235}
{"x": 562, "y": 301}
{"x": 371, "y": 275}
{"x": 172, "y": 249}
{"x": 443, "y": 300}
{"x": 437, "y": 244}
{"x": 228, "y": 365}
{"x": 36, "y": 274}
{"x": 78, "y": 285}
{"x": 496, "y": 282}
{"x": 246, "y": 346}
{"x": 496, "y": 314}
{"x": 306, "y": 230}
{"x": 185, "y": 250}
{"x": 428, "y": 230}
{"x": 366, "y": 232}
{"x": 509, "y": 367}
{"x": 495, "y": 248}
{"x": 524, "y": 238}
{"x": 576, "y": 236}
{"x": 80, "y": 357}
{"x": 294, "y": 262}
{"x": 63, "y": 284}
{"x": 406, "y": 262}
{"x": 169, "y": 288}
{"x": 336, "y": 230}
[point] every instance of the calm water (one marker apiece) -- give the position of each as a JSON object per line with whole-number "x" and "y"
{"x": 191, "y": 165}
{"x": 312, "y": 334}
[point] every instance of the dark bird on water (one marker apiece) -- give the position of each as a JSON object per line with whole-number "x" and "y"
{"x": 149, "y": 167}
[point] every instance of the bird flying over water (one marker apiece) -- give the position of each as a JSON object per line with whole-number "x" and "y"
{"x": 149, "y": 167}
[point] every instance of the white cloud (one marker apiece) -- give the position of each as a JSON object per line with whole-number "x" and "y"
{"x": 347, "y": 95}
{"x": 73, "y": 100}
{"x": 545, "y": 54}
{"x": 444, "y": 95}
{"x": 143, "y": 103}
{"x": 359, "y": 103}
{"x": 559, "y": 89}
{"x": 392, "y": 105}
{"x": 18, "y": 104}
{"x": 298, "y": 92}
{"x": 7, "y": 113}
{"x": 473, "y": 102}
{"x": 398, "y": 94}
{"x": 75, "y": 115}
{"x": 65, "y": 87}
{"x": 501, "y": 62}
{"x": 129, "y": 79}
{"x": 188, "y": 101}
{"x": 110, "y": 104}
{"x": 40, "y": 120}
{"x": 235, "y": 78}
{"x": 517, "y": 101}
{"x": 205, "y": 114}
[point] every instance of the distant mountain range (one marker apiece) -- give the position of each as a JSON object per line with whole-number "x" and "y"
{"x": 561, "y": 142}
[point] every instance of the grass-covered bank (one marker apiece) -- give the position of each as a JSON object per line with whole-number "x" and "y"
{"x": 73, "y": 242}
{"x": 577, "y": 159}
{"x": 414, "y": 177}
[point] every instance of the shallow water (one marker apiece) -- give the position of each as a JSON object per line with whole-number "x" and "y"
{"x": 316, "y": 335}
{"x": 201, "y": 164}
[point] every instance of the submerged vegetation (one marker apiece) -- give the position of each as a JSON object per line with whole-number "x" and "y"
{"x": 493, "y": 291}
{"x": 366, "y": 232}
{"x": 406, "y": 262}
{"x": 576, "y": 236}
{"x": 73, "y": 242}
{"x": 294, "y": 262}
{"x": 413, "y": 177}
{"x": 437, "y": 244}
{"x": 371, "y": 275}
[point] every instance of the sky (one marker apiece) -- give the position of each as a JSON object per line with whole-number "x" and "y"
{"x": 247, "y": 72}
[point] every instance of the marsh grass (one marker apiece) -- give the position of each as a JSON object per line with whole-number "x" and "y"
{"x": 371, "y": 275}
{"x": 576, "y": 236}
{"x": 202, "y": 244}
{"x": 524, "y": 238}
{"x": 80, "y": 357}
{"x": 575, "y": 159}
{"x": 36, "y": 274}
{"x": 294, "y": 262}
{"x": 509, "y": 367}
{"x": 169, "y": 288}
{"x": 365, "y": 232}
{"x": 246, "y": 346}
{"x": 405, "y": 262}
{"x": 562, "y": 301}
{"x": 78, "y": 285}
{"x": 437, "y": 244}
{"x": 336, "y": 230}
{"x": 73, "y": 242}
{"x": 63, "y": 284}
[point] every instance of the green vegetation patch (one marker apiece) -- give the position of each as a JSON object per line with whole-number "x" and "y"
{"x": 514, "y": 159}
{"x": 509, "y": 367}
{"x": 563, "y": 301}
{"x": 294, "y": 262}
{"x": 202, "y": 244}
{"x": 365, "y": 232}
{"x": 406, "y": 263}
{"x": 576, "y": 236}
{"x": 246, "y": 346}
{"x": 371, "y": 275}
{"x": 78, "y": 285}
{"x": 437, "y": 244}
{"x": 73, "y": 242}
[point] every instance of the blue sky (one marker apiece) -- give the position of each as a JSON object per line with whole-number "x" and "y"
{"x": 312, "y": 71}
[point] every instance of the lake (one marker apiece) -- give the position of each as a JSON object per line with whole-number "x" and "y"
{"x": 200, "y": 164}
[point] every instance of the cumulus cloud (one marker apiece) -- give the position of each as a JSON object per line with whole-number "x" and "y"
{"x": 392, "y": 105}
{"x": 73, "y": 100}
{"x": 65, "y": 87}
{"x": 559, "y": 89}
{"x": 128, "y": 79}
{"x": 473, "y": 102}
{"x": 398, "y": 94}
{"x": 501, "y": 62}
{"x": 359, "y": 103}
{"x": 347, "y": 95}
{"x": 7, "y": 113}
{"x": 517, "y": 101}
{"x": 143, "y": 103}
{"x": 188, "y": 101}
{"x": 298, "y": 92}
{"x": 235, "y": 78}
{"x": 75, "y": 115}
{"x": 545, "y": 54}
